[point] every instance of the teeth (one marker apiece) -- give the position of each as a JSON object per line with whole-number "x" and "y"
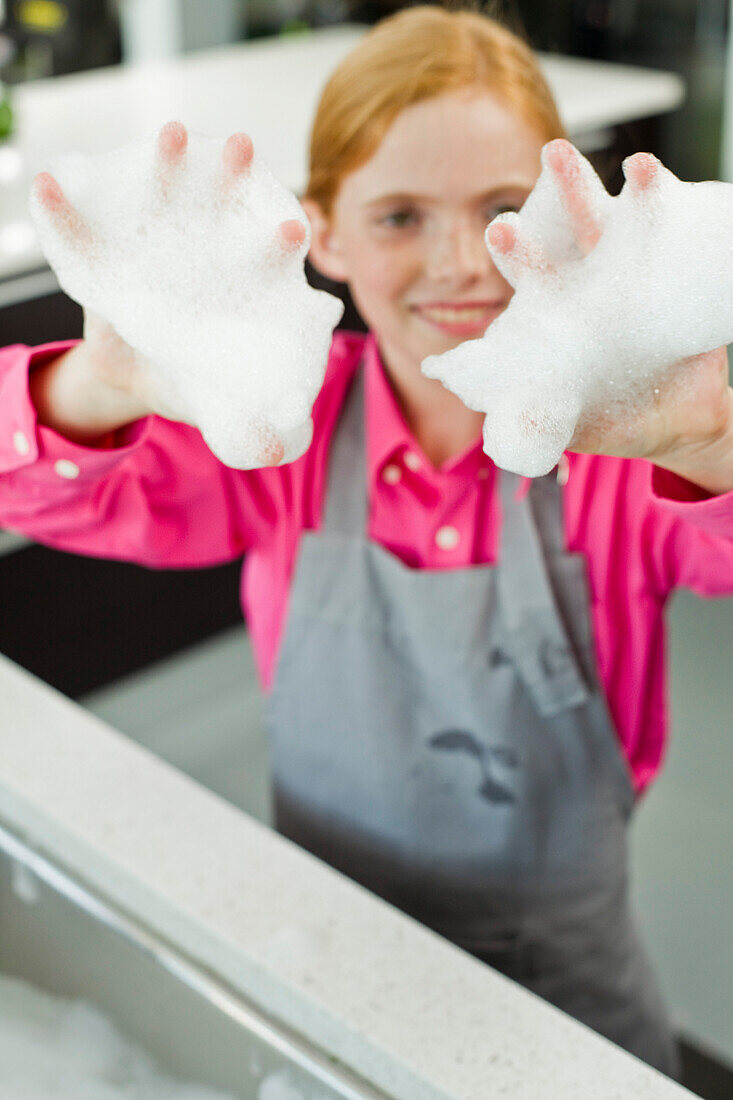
{"x": 455, "y": 316}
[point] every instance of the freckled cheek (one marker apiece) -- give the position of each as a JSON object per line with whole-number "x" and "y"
{"x": 385, "y": 278}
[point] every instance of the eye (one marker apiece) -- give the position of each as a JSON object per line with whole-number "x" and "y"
{"x": 502, "y": 208}
{"x": 400, "y": 219}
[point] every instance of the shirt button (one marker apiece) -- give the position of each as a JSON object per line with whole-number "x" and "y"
{"x": 391, "y": 474}
{"x": 65, "y": 468}
{"x": 412, "y": 461}
{"x": 21, "y": 443}
{"x": 447, "y": 538}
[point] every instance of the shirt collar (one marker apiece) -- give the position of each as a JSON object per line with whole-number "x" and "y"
{"x": 388, "y": 435}
{"x": 387, "y": 432}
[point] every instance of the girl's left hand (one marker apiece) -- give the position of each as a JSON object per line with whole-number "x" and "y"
{"x": 690, "y": 410}
{"x": 687, "y": 425}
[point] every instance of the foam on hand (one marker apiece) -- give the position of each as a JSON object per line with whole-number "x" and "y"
{"x": 193, "y": 252}
{"x": 610, "y": 295}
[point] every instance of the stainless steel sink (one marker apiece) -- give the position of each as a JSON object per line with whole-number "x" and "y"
{"x": 56, "y": 934}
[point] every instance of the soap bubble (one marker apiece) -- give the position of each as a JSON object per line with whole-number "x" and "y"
{"x": 607, "y": 303}
{"x": 61, "y": 1049}
{"x": 193, "y": 252}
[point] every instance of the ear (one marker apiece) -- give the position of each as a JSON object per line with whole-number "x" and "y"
{"x": 325, "y": 251}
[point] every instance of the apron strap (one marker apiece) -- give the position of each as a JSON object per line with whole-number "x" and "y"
{"x": 346, "y": 509}
{"x": 546, "y": 504}
{"x": 535, "y": 635}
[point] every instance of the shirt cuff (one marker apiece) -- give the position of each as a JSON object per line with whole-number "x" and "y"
{"x": 25, "y": 442}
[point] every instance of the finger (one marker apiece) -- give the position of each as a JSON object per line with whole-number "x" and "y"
{"x": 237, "y": 156}
{"x": 48, "y": 193}
{"x": 172, "y": 142}
{"x": 273, "y": 453}
{"x": 272, "y": 450}
{"x": 640, "y": 171}
{"x": 514, "y": 252}
{"x": 502, "y": 237}
{"x": 564, "y": 162}
{"x": 171, "y": 149}
{"x": 291, "y": 235}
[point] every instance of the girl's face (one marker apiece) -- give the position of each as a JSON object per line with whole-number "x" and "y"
{"x": 407, "y": 227}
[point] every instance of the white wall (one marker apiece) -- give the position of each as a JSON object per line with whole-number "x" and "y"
{"x": 682, "y": 841}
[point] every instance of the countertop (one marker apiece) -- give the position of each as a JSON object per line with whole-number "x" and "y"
{"x": 407, "y": 1011}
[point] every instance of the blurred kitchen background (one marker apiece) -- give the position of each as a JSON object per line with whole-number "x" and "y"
{"x": 181, "y": 680}
{"x": 43, "y": 38}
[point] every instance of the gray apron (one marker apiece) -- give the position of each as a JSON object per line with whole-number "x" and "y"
{"x": 440, "y": 737}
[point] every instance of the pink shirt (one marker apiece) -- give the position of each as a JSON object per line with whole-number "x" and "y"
{"x": 154, "y": 494}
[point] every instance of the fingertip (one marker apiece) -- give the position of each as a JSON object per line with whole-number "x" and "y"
{"x": 238, "y": 153}
{"x": 172, "y": 140}
{"x": 292, "y": 234}
{"x": 501, "y": 237}
{"x": 273, "y": 452}
{"x": 640, "y": 170}
{"x": 48, "y": 191}
{"x": 558, "y": 153}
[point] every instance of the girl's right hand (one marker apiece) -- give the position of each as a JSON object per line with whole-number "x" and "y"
{"x": 94, "y": 388}
{"x": 196, "y": 257}
{"x": 117, "y": 367}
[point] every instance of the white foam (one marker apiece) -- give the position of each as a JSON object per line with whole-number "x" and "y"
{"x": 592, "y": 336}
{"x": 53, "y": 1048}
{"x": 280, "y": 1086}
{"x": 192, "y": 275}
{"x": 60, "y": 1049}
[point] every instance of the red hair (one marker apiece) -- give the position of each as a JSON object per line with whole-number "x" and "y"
{"x": 414, "y": 55}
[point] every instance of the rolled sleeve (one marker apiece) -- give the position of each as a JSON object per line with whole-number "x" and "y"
{"x": 18, "y": 424}
{"x": 49, "y": 456}
{"x": 675, "y": 496}
{"x": 151, "y": 492}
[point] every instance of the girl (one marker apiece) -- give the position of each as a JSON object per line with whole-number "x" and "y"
{"x": 464, "y": 670}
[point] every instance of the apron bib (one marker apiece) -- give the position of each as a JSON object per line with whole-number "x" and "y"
{"x": 440, "y": 737}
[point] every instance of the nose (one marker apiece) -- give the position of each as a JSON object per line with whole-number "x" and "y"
{"x": 457, "y": 252}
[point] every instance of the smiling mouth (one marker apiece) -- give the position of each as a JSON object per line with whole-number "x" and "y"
{"x": 460, "y": 318}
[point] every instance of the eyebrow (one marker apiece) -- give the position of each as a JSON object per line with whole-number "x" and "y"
{"x": 409, "y": 196}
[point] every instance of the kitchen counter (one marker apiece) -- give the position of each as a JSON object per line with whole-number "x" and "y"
{"x": 406, "y": 1012}
{"x": 269, "y": 88}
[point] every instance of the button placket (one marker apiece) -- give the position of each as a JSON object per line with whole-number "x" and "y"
{"x": 391, "y": 474}
{"x": 20, "y": 443}
{"x": 64, "y": 467}
{"x": 447, "y": 537}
